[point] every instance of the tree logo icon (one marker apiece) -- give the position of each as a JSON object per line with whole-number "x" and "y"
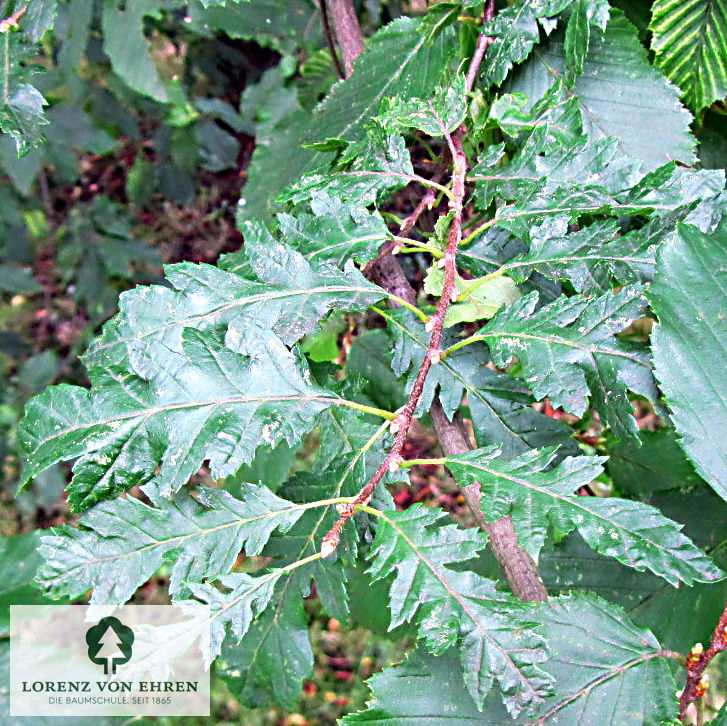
{"x": 109, "y": 644}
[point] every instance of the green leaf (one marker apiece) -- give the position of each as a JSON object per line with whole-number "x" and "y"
{"x": 275, "y": 656}
{"x": 593, "y": 256}
{"x": 653, "y": 463}
{"x": 607, "y": 672}
{"x": 446, "y": 109}
{"x": 690, "y": 345}
{"x": 119, "y": 545}
{"x": 620, "y": 95}
{"x": 218, "y": 399}
{"x": 399, "y": 61}
{"x": 21, "y": 109}
{"x": 571, "y": 565}
{"x": 18, "y": 280}
{"x": 516, "y": 30}
{"x": 499, "y": 405}
{"x": 127, "y": 47}
{"x": 537, "y": 497}
{"x": 283, "y": 292}
{"x": 452, "y": 606}
{"x": 336, "y": 232}
{"x": 689, "y": 40}
{"x": 39, "y": 17}
{"x": 578, "y": 33}
{"x": 567, "y": 350}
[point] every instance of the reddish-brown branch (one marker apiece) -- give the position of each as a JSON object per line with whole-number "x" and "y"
{"x": 400, "y": 426}
{"x": 697, "y": 662}
{"x": 327, "y": 31}
{"x": 348, "y": 31}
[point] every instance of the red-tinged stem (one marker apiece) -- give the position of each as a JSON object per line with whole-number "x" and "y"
{"x": 697, "y": 662}
{"x": 402, "y": 423}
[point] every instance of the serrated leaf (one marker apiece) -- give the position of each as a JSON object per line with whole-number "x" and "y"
{"x": 446, "y": 109}
{"x": 515, "y": 31}
{"x": 536, "y": 497}
{"x": 336, "y": 231}
{"x": 690, "y": 345}
{"x": 578, "y": 33}
{"x": 39, "y": 17}
{"x": 458, "y": 607}
{"x": 607, "y": 672}
{"x": 399, "y": 60}
{"x": 275, "y": 656}
{"x": 121, "y": 544}
{"x": 499, "y": 405}
{"x": 21, "y": 108}
{"x": 592, "y": 257}
{"x": 653, "y": 463}
{"x": 283, "y": 292}
{"x": 620, "y": 93}
{"x": 689, "y": 42}
{"x": 571, "y": 565}
{"x": 568, "y": 349}
{"x": 218, "y": 399}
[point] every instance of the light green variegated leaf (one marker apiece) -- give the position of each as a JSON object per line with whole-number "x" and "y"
{"x": 453, "y": 607}
{"x": 119, "y": 545}
{"x": 499, "y": 405}
{"x": 690, "y": 345}
{"x": 621, "y": 95}
{"x": 399, "y": 61}
{"x": 609, "y": 672}
{"x": 283, "y": 292}
{"x": 568, "y": 351}
{"x": 218, "y": 399}
{"x": 536, "y": 498}
{"x": 689, "y": 40}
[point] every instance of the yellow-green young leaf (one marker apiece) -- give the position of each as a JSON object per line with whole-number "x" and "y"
{"x": 538, "y": 497}
{"x": 627, "y": 681}
{"x": 459, "y": 608}
{"x": 477, "y": 299}
{"x": 690, "y": 345}
{"x": 689, "y": 39}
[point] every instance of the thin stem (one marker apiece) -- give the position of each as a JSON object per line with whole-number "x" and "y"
{"x": 329, "y": 38}
{"x": 380, "y": 412}
{"x": 419, "y": 313}
{"x": 462, "y": 343}
{"x": 370, "y": 510}
{"x": 421, "y": 246}
{"x": 422, "y": 462}
{"x": 301, "y": 563}
{"x": 478, "y": 231}
{"x": 697, "y": 662}
{"x": 401, "y": 175}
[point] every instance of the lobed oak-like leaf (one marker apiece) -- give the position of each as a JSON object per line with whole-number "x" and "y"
{"x": 452, "y": 607}
{"x": 568, "y": 351}
{"x": 537, "y": 497}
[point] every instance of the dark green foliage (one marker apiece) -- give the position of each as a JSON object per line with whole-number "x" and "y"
{"x": 235, "y": 406}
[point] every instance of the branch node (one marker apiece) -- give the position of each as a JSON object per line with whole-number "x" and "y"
{"x": 329, "y": 545}
{"x": 395, "y": 464}
{"x": 435, "y": 356}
